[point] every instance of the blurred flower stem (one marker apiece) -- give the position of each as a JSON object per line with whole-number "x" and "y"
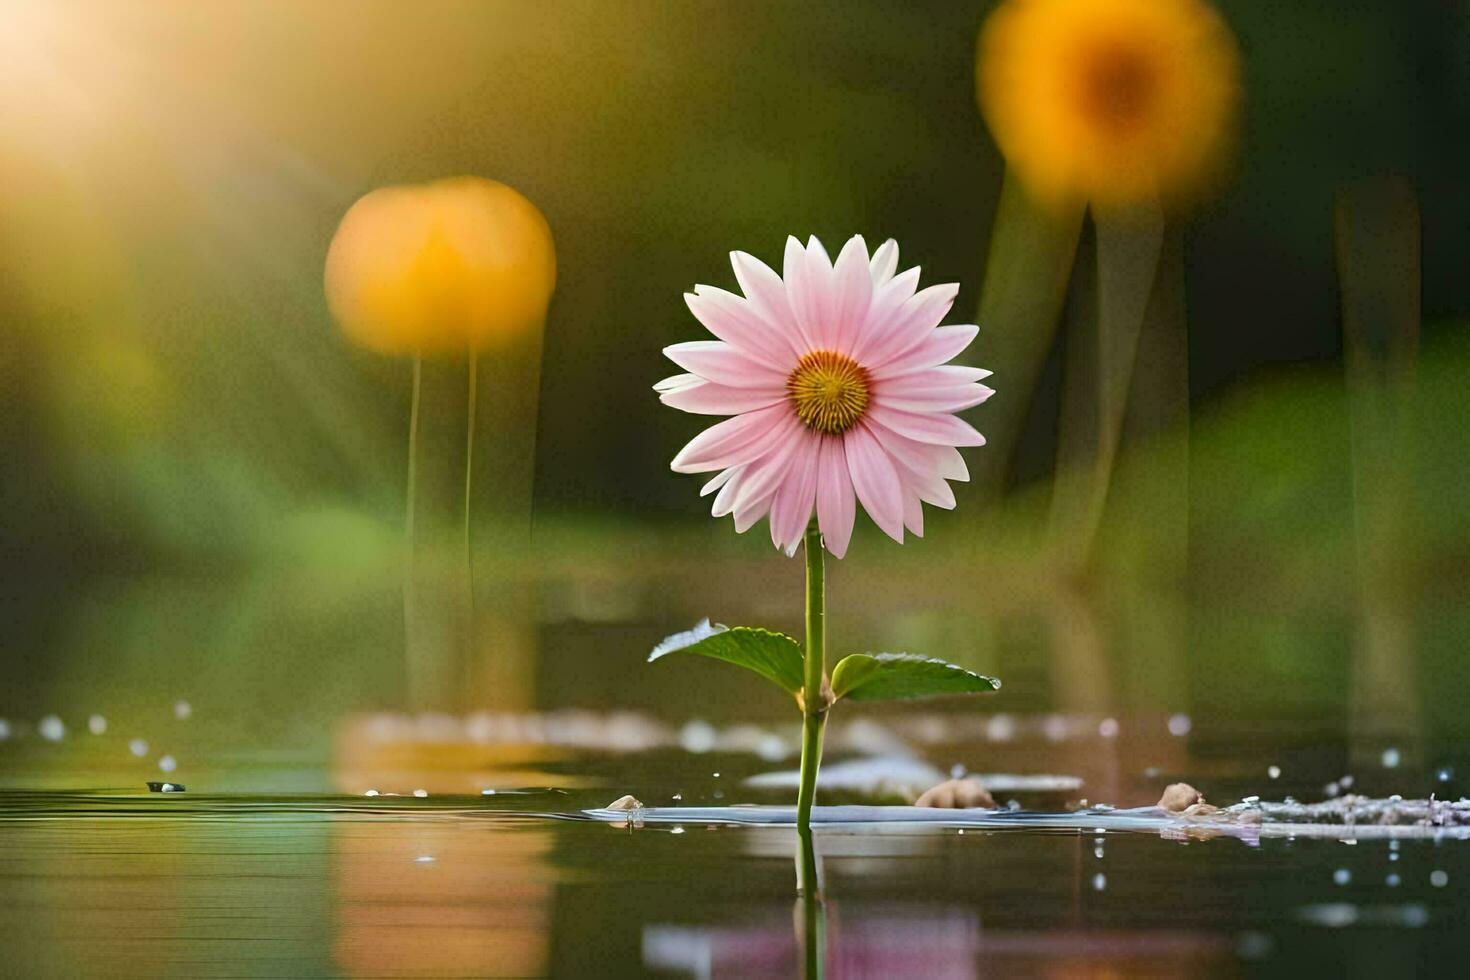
{"x": 412, "y": 674}
{"x": 1378, "y": 259}
{"x": 1027, "y": 269}
{"x": 473, "y": 372}
{"x": 814, "y": 699}
{"x": 1097, "y": 375}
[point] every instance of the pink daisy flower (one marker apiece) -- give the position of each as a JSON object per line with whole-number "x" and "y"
{"x": 836, "y": 381}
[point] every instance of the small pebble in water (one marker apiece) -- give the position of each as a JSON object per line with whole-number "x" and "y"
{"x": 371, "y": 792}
{"x": 182, "y": 710}
{"x": 168, "y": 763}
{"x": 51, "y": 729}
{"x": 1099, "y": 882}
{"x": 138, "y": 747}
{"x": 1180, "y": 725}
{"x": 1438, "y": 878}
{"x": 1391, "y": 758}
{"x": 421, "y": 793}
{"x": 1342, "y": 876}
{"x": 1273, "y": 771}
{"x": 1392, "y": 880}
{"x": 97, "y": 724}
{"x": 424, "y": 859}
{"x": 1108, "y": 728}
{"x": 165, "y": 787}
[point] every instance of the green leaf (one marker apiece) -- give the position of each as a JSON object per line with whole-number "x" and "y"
{"x": 775, "y": 656}
{"x": 888, "y": 676}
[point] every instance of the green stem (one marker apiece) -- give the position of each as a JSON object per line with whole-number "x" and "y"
{"x": 814, "y": 914}
{"x": 814, "y": 701}
{"x": 408, "y": 521}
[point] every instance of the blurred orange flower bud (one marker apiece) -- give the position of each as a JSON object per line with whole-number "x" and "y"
{"x": 1111, "y": 101}
{"x": 452, "y": 266}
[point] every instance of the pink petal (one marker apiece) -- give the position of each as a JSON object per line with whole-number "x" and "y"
{"x": 936, "y": 347}
{"x": 913, "y": 514}
{"x": 715, "y": 360}
{"x": 805, "y": 286}
{"x": 852, "y": 292}
{"x": 765, "y": 474}
{"x": 936, "y": 428}
{"x": 884, "y": 262}
{"x": 836, "y": 507}
{"x": 921, "y": 466}
{"x": 764, "y": 291}
{"x": 732, "y": 442}
{"x": 721, "y": 478}
{"x": 708, "y": 398}
{"x": 883, "y": 309}
{"x": 731, "y": 318}
{"x": 909, "y": 326}
{"x": 911, "y": 398}
{"x": 791, "y": 511}
{"x": 875, "y": 480}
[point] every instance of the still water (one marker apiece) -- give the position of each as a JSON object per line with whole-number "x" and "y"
{"x": 229, "y": 879}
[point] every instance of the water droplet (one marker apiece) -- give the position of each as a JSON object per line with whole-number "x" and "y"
{"x": 182, "y": 710}
{"x": 1342, "y": 876}
{"x": 1000, "y": 728}
{"x": 771, "y": 748}
{"x": 715, "y": 775}
{"x": 1273, "y": 771}
{"x": 962, "y": 831}
{"x": 371, "y": 792}
{"x": 1152, "y": 772}
{"x": 1390, "y": 758}
{"x": 168, "y": 763}
{"x": 4, "y": 729}
{"x": 1108, "y": 728}
{"x": 1392, "y": 880}
{"x": 97, "y": 724}
{"x": 1438, "y": 878}
{"x": 1392, "y": 856}
{"x": 1445, "y": 774}
{"x": 1097, "y": 852}
{"x": 487, "y": 792}
{"x": 421, "y": 793}
{"x": 678, "y": 796}
{"x": 1331, "y": 790}
{"x": 1346, "y": 781}
{"x": 1180, "y": 725}
{"x": 1099, "y": 882}
{"x": 956, "y": 771}
{"x": 676, "y": 830}
{"x": 424, "y": 859}
{"x": 1055, "y": 728}
{"x": 1393, "y": 845}
{"x": 51, "y": 729}
{"x": 138, "y": 747}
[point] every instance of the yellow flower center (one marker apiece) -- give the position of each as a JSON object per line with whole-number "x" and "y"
{"x": 829, "y": 391}
{"x": 1116, "y": 86}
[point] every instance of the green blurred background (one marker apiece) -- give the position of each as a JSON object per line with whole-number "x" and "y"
{"x": 203, "y": 481}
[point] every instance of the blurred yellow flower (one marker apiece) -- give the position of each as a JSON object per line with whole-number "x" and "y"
{"x": 1111, "y": 101}
{"x": 452, "y": 266}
